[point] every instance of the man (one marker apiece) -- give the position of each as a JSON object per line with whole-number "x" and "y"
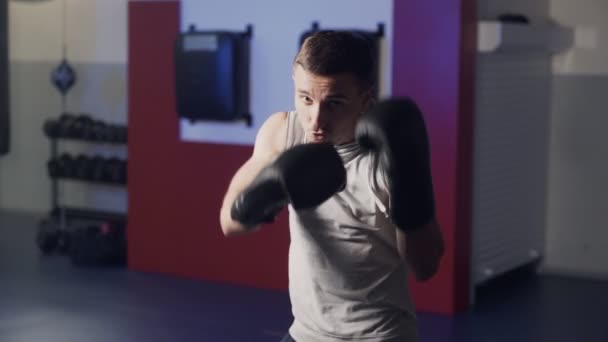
{"x": 361, "y": 213}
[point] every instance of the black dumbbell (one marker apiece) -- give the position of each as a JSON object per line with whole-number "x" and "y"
{"x": 62, "y": 167}
{"x": 112, "y": 170}
{"x": 47, "y": 237}
{"x": 121, "y": 135}
{"x": 98, "y": 131}
{"x": 88, "y": 125}
{"x": 80, "y": 124}
{"x": 98, "y": 167}
{"x": 82, "y": 167}
{"x": 122, "y": 178}
{"x": 109, "y": 133}
{"x": 93, "y": 168}
{"x": 53, "y": 168}
{"x": 50, "y": 238}
{"x": 114, "y": 133}
{"x": 51, "y": 128}
{"x": 66, "y": 121}
{"x": 67, "y": 166}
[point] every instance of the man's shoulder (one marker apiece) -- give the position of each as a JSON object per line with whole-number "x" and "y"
{"x": 276, "y": 122}
{"x": 272, "y": 133}
{"x": 279, "y": 116}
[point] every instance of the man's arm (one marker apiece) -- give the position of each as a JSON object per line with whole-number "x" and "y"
{"x": 269, "y": 143}
{"x": 395, "y": 129}
{"x": 422, "y": 249}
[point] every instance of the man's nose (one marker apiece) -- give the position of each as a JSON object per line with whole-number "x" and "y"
{"x": 318, "y": 117}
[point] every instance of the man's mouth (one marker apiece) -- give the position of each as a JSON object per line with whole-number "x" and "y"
{"x": 317, "y": 137}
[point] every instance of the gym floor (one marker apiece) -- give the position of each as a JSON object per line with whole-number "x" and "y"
{"x": 48, "y": 299}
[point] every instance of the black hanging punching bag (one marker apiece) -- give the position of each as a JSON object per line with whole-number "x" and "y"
{"x": 4, "y": 91}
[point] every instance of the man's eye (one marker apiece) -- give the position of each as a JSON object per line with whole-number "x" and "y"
{"x": 306, "y": 99}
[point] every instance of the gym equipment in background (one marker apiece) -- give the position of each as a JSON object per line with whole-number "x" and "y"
{"x": 62, "y": 231}
{"x": 51, "y": 237}
{"x": 93, "y": 239}
{"x": 63, "y": 76}
{"x": 84, "y": 127}
{"x": 98, "y": 243}
{"x": 91, "y": 169}
{"x": 212, "y": 75}
{"x": 55, "y": 233}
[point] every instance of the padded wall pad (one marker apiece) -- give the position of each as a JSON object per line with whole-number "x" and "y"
{"x": 4, "y": 91}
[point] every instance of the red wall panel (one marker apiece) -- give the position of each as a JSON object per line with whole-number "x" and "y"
{"x": 434, "y": 46}
{"x": 176, "y": 188}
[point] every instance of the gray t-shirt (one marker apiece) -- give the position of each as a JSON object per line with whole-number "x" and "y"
{"x": 347, "y": 281}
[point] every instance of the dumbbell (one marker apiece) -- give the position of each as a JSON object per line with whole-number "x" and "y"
{"x": 83, "y": 167}
{"x": 80, "y": 124}
{"x": 121, "y": 134}
{"x": 66, "y": 121}
{"x": 98, "y": 169}
{"x": 122, "y": 172}
{"x": 67, "y": 165}
{"x": 51, "y": 128}
{"x": 112, "y": 170}
{"x": 47, "y": 237}
{"x": 50, "y": 238}
{"x": 90, "y": 168}
{"x": 87, "y": 128}
{"x": 53, "y": 168}
{"x": 114, "y": 133}
{"x": 99, "y": 131}
{"x": 62, "y": 167}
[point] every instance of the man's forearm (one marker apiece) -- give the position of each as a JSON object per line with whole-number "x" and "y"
{"x": 424, "y": 249}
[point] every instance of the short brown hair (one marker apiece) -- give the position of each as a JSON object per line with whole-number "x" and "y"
{"x": 328, "y": 53}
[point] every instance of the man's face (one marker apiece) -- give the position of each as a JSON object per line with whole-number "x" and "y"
{"x": 329, "y": 106}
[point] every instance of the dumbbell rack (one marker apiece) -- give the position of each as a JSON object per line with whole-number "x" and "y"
{"x": 62, "y": 214}
{"x": 61, "y": 211}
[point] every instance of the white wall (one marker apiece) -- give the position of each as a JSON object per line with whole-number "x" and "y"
{"x": 589, "y": 18}
{"x": 97, "y": 48}
{"x": 577, "y": 232}
{"x": 96, "y": 30}
{"x": 277, "y": 27}
{"x": 535, "y": 10}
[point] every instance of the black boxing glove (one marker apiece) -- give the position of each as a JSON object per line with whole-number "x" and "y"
{"x": 305, "y": 175}
{"x": 395, "y": 130}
